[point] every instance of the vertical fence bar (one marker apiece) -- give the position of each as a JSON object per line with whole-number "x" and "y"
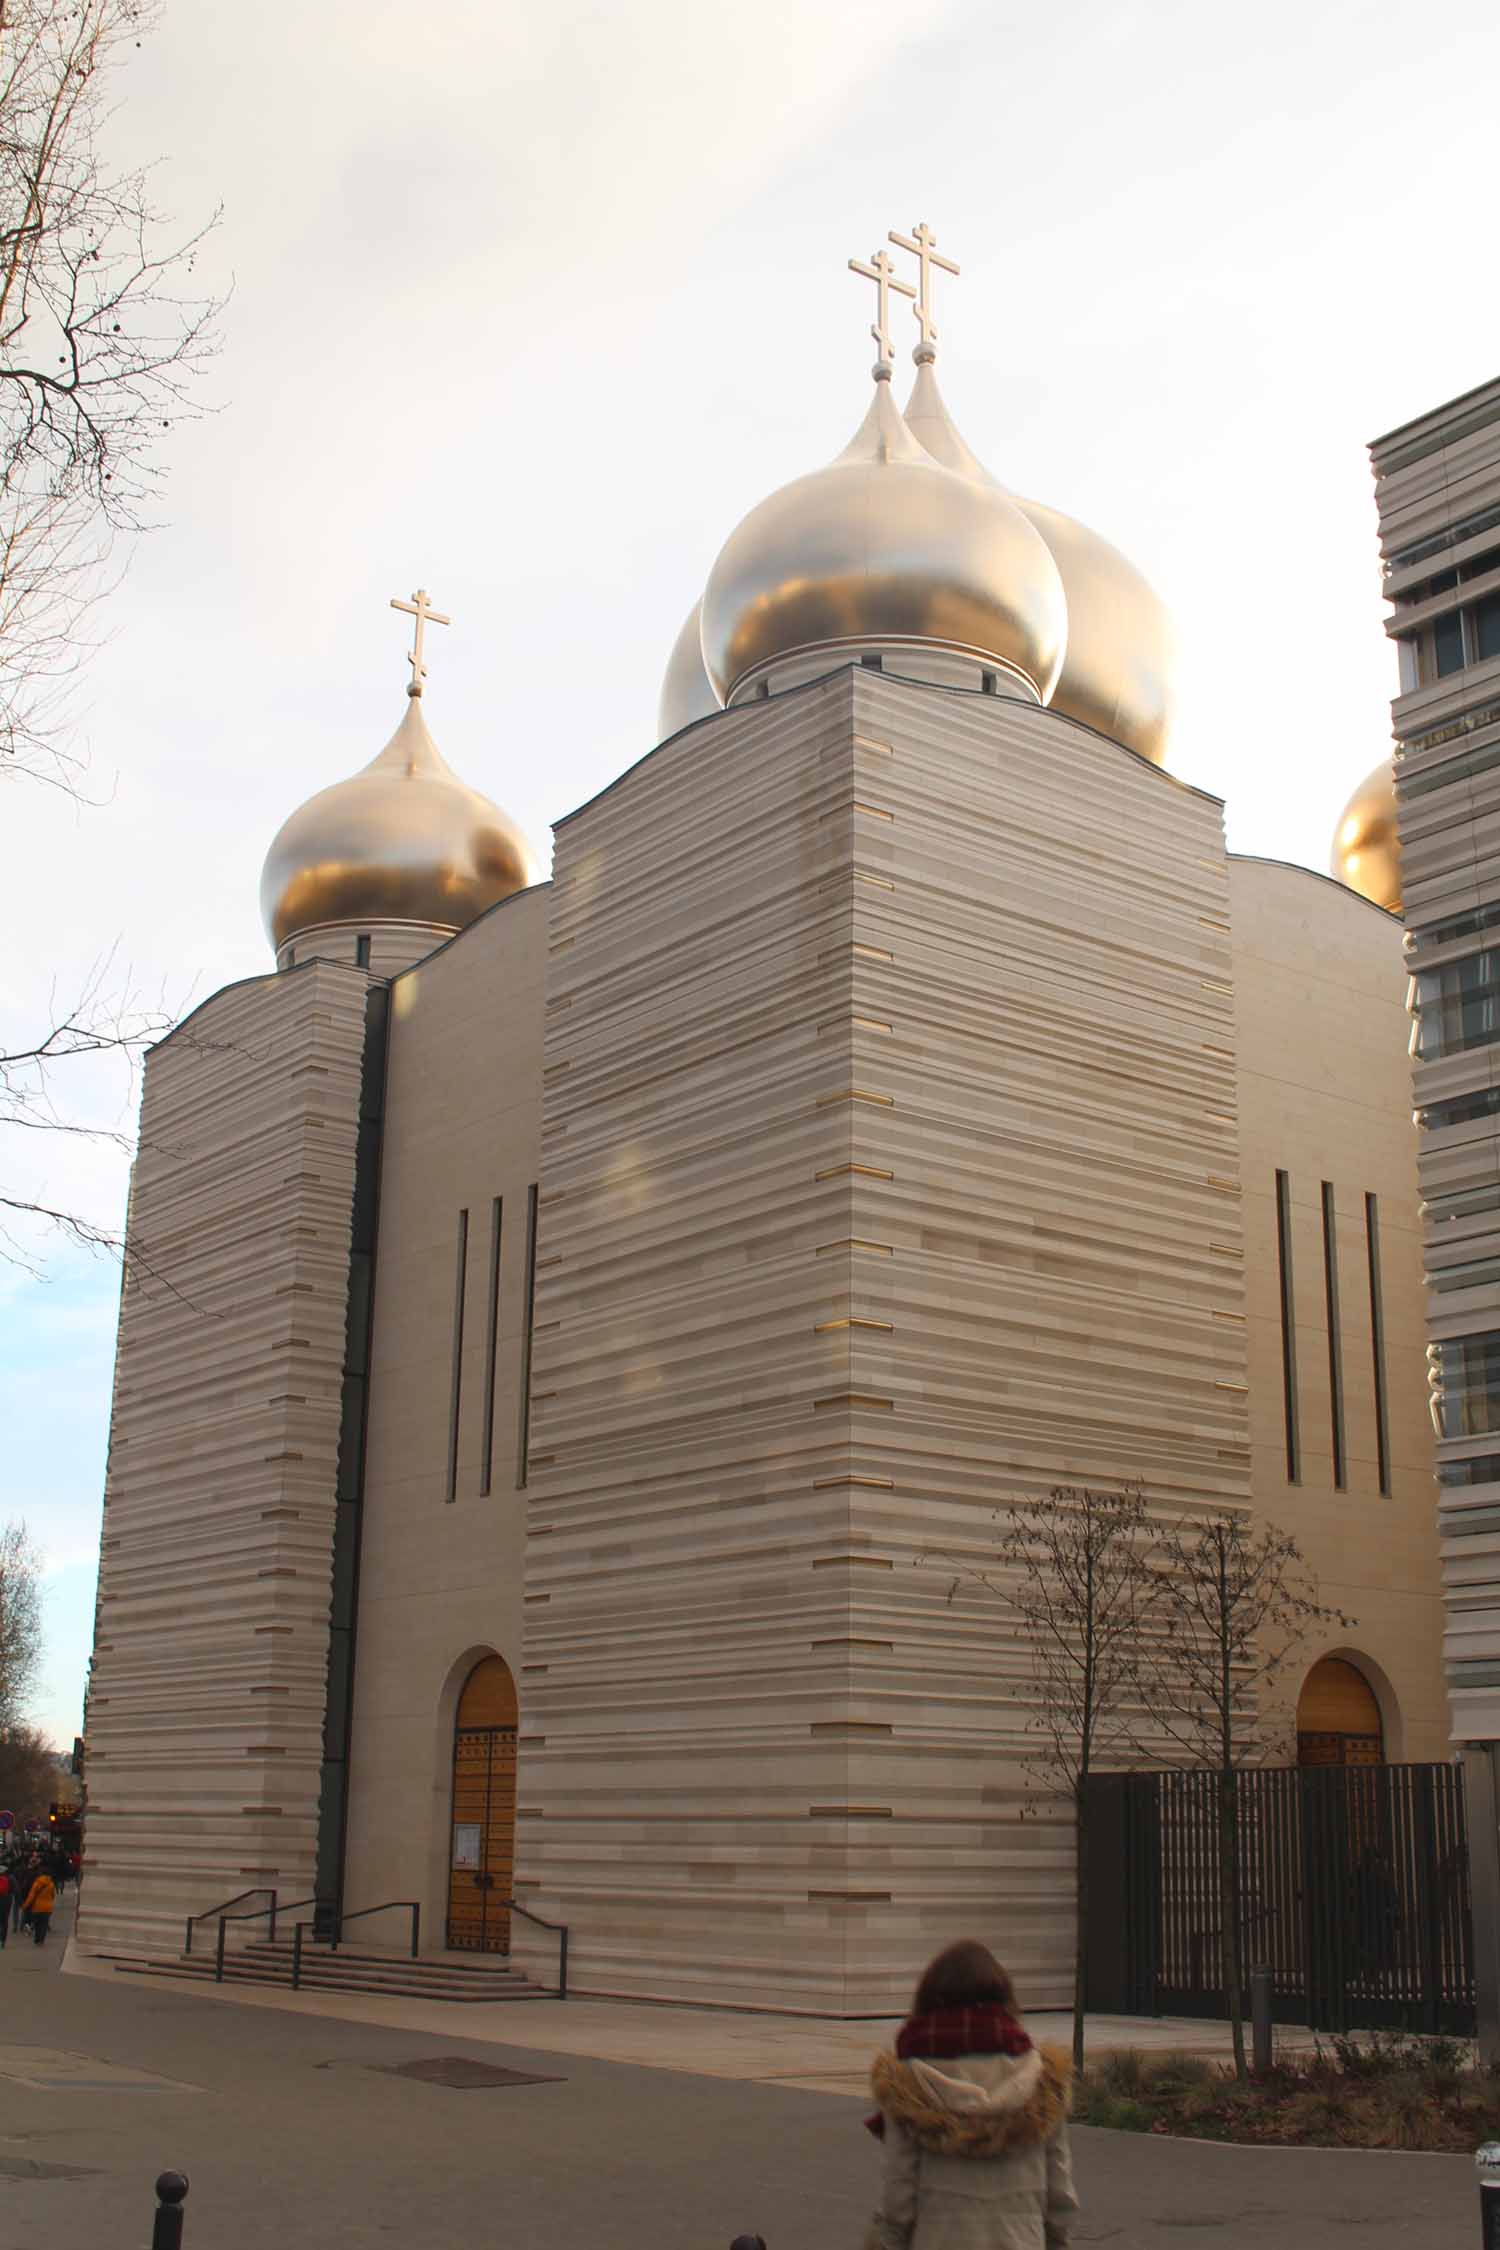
{"x": 219, "y": 1950}
{"x": 296, "y": 1956}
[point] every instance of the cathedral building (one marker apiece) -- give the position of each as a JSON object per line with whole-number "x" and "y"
{"x": 568, "y": 1317}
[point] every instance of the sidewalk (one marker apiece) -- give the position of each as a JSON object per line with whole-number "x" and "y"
{"x": 818, "y": 2054}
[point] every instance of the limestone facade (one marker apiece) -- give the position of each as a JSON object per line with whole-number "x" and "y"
{"x": 902, "y": 1076}
{"x": 209, "y": 1681}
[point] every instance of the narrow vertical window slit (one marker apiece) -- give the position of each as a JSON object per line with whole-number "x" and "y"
{"x": 524, "y": 1416}
{"x": 1335, "y": 1340}
{"x": 456, "y": 1397}
{"x": 492, "y": 1336}
{"x": 1377, "y": 1343}
{"x": 1288, "y": 1327}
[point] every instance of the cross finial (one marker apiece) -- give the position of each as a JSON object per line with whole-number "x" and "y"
{"x": 922, "y": 243}
{"x": 879, "y": 271}
{"x": 419, "y": 607}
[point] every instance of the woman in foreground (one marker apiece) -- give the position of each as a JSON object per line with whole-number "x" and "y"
{"x": 973, "y": 2118}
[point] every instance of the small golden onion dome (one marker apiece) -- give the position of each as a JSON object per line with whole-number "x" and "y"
{"x": 1117, "y": 673}
{"x": 403, "y": 841}
{"x": 1366, "y": 854}
{"x": 885, "y": 545}
{"x": 687, "y": 692}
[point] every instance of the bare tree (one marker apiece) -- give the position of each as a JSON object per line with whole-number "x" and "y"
{"x": 20, "y": 1622}
{"x": 101, "y": 334}
{"x": 30, "y": 1781}
{"x": 107, "y": 1021}
{"x": 1228, "y": 1605}
{"x": 1071, "y": 1570}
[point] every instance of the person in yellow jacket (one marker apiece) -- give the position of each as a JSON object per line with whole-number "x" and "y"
{"x": 38, "y": 1903}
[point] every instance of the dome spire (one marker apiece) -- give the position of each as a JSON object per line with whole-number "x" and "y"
{"x": 882, "y": 273}
{"x": 922, "y": 243}
{"x": 420, "y": 607}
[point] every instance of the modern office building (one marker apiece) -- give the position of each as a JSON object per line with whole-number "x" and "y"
{"x": 1437, "y": 485}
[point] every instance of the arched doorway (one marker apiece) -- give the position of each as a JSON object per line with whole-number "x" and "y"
{"x": 1338, "y": 1718}
{"x": 482, "y": 1841}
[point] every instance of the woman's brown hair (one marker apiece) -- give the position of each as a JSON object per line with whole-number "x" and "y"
{"x": 965, "y": 1975}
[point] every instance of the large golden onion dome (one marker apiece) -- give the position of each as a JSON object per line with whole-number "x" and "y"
{"x": 1117, "y": 672}
{"x": 1366, "y": 853}
{"x": 687, "y": 692}
{"x": 885, "y": 546}
{"x": 402, "y": 841}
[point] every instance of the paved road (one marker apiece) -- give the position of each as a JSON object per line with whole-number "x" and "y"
{"x": 298, "y": 2135}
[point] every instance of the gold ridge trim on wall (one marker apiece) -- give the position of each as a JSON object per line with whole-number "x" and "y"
{"x": 852, "y": 1320}
{"x": 863, "y": 1171}
{"x": 856, "y": 1094}
{"x": 856, "y": 1242}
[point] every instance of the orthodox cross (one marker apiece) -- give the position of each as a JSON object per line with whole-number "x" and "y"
{"x": 422, "y": 610}
{"x": 923, "y": 247}
{"x": 880, "y": 272}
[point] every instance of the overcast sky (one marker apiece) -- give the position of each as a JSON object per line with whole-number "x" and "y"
{"x": 531, "y": 305}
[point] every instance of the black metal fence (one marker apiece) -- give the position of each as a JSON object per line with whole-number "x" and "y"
{"x": 1354, "y": 1891}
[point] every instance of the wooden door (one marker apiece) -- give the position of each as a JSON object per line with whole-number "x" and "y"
{"x": 1338, "y": 1718}
{"x": 482, "y": 1836}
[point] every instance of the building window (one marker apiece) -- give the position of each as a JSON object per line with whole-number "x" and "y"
{"x": 1478, "y": 919}
{"x": 1464, "y": 1109}
{"x": 455, "y": 1397}
{"x": 492, "y": 1337}
{"x": 1486, "y": 621}
{"x": 1288, "y": 1326}
{"x": 989, "y": 683}
{"x": 524, "y": 1416}
{"x": 362, "y": 953}
{"x": 1448, "y": 644}
{"x": 1335, "y": 1338}
{"x": 291, "y": 957}
{"x": 1465, "y": 1376}
{"x": 1377, "y": 1343}
{"x": 873, "y": 663}
{"x": 1458, "y": 1005}
{"x": 1480, "y": 1468}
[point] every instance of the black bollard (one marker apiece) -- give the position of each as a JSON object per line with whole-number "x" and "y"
{"x": 748, "y": 2242}
{"x": 166, "y": 2232}
{"x": 1487, "y": 2164}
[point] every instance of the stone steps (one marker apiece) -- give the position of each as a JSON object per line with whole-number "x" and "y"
{"x": 348, "y": 1970}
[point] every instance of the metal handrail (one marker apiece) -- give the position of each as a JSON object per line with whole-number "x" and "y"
{"x": 257, "y": 1890}
{"x": 560, "y": 1931}
{"x": 410, "y": 1904}
{"x": 254, "y": 1916}
{"x": 387, "y": 1906}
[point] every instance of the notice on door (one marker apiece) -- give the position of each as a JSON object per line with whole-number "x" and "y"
{"x": 466, "y": 1851}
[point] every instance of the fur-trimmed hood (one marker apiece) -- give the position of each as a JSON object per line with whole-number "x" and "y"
{"x": 976, "y": 2105}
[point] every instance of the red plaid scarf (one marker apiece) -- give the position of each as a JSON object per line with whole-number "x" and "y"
{"x": 950, "y": 2032}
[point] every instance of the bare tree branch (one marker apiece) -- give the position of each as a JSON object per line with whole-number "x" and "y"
{"x": 102, "y": 334}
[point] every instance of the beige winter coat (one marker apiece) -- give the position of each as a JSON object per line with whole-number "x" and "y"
{"x": 976, "y": 2153}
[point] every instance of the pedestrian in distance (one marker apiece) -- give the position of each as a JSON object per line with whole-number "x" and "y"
{"x": 7, "y": 1900}
{"x": 40, "y": 1900}
{"x": 973, "y": 2119}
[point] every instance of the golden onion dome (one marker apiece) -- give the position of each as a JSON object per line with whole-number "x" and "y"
{"x": 687, "y": 692}
{"x": 1117, "y": 672}
{"x": 1366, "y": 853}
{"x": 885, "y": 545}
{"x": 402, "y": 841}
